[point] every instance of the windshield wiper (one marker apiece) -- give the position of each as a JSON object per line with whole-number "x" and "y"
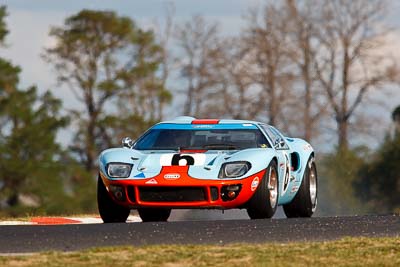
{"x": 221, "y": 146}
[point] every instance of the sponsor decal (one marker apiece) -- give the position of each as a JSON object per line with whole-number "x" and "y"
{"x": 202, "y": 126}
{"x": 255, "y": 183}
{"x": 294, "y": 189}
{"x": 287, "y": 174}
{"x": 307, "y": 147}
{"x": 182, "y": 159}
{"x": 152, "y": 181}
{"x": 172, "y": 176}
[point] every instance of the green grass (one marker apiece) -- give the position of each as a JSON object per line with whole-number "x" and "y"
{"x": 344, "y": 252}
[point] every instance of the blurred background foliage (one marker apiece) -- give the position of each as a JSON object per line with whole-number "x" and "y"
{"x": 303, "y": 66}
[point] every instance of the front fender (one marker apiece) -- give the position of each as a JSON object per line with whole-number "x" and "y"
{"x": 122, "y": 155}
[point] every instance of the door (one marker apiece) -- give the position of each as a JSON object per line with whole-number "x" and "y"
{"x": 284, "y": 165}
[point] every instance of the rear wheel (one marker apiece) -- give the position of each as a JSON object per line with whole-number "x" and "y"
{"x": 304, "y": 203}
{"x": 154, "y": 214}
{"x": 110, "y": 211}
{"x": 264, "y": 202}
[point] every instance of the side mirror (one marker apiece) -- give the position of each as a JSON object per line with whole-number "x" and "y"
{"x": 279, "y": 143}
{"x": 127, "y": 142}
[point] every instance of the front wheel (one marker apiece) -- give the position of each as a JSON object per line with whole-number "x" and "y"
{"x": 110, "y": 212}
{"x": 264, "y": 202}
{"x": 304, "y": 203}
{"x": 154, "y": 214}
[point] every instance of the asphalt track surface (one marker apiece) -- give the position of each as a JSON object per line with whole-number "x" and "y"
{"x": 35, "y": 238}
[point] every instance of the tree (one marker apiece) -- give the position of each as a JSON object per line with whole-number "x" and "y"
{"x": 237, "y": 93}
{"x": 378, "y": 183}
{"x": 100, "y": 56}
{"x": 201, "y": 49}
{"x": 163, "y": 36}
{"x": 347, "y": 67}
{"x": 303, "y": 50}
{"x": 30, "y": 158}
{"x": 337, "y": 172}
{"x": 3, "y": 26}
{"x": 144, "y": 96}
{"x": 267, "y": 39}
{"x": 29, "y": 155}
{"x": 9, "y": 73}
{"x": 396, "y": 120}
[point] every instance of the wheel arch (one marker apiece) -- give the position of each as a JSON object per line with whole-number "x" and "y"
{"x": 305, "y": 152}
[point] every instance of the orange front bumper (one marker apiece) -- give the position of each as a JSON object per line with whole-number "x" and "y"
{"x": 200, "y": 193}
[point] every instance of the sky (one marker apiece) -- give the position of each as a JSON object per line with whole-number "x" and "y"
{"x": 29, "y": 23}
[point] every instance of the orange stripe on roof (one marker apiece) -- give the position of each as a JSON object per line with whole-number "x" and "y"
{"x": 205, "y": 121}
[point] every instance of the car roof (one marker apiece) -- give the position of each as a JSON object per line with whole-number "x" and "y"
{"x": 192, "y": 120}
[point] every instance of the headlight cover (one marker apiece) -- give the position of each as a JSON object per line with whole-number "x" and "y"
{"x": 234, "y": 169}
{"x": 119, "y": 170}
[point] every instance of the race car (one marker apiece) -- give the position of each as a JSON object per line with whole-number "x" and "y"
{"x": 208, "y": 164}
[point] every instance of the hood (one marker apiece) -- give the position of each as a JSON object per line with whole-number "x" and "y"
{"x": 202, "y": 165}
{"x": 206, "y": 164}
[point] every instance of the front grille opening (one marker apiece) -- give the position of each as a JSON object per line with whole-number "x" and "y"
{"x": 118, "y": 192}
{"x": 214, "y": 193}
{"x": 230, "y": 192}
{"x": 131, "y": 193}
{"x": 172, "y": 194}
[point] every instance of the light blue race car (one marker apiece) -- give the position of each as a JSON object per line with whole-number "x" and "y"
{"x": 207, "y": 163}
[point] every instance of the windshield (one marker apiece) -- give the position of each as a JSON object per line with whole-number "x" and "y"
{"x": 224, "y": 139}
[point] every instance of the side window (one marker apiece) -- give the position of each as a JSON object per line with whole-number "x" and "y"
{"x": 283, "y": 144}
{"x": 277, "y": 139}
{"x": 270, "y": 135}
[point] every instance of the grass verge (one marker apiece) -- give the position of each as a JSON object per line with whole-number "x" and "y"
{"x": 344, "y": 252}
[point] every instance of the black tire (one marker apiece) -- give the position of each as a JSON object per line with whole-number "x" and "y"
{"x": 154, "y": 214}
{"x": 304, "y": 203}
{"x": 262, "y": 205}
{"x": 110, "y": 212}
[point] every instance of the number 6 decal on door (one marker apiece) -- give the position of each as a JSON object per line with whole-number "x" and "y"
{"x": 287, "y": 174}
{"x": 182, "y": 159}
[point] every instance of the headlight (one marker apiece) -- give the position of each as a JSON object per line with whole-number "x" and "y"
{"x": 234, "y": 169}
{"x": 119, "y": 170}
